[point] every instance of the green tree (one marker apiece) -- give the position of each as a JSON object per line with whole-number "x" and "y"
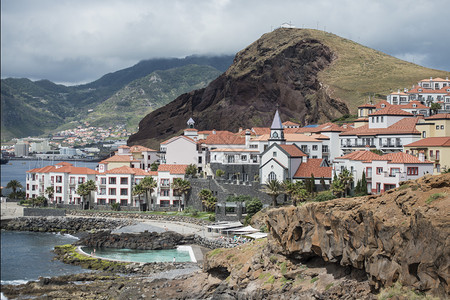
{"x": 313, "y": 184}
{"x": 148, "y": 184}
{"x": 50, "y": 191}
{"x": 219, "y": 173}
{"x": 337, "y": 187}
{"x": 182, "y": 187}
{"x": 154, "y": 166}
{"x": 85, "y": 189}
{"x": 39, "y": 201}
{"x": 252, "y": 206}
{"x": 208, "y": 199}
{"x": 289, "y": 187}
{"x": 346, "y": 179}
{"x": 138, "y": 190}
{"x": 14, "y": 185}
{"x": 322, "y": 182}
{"x": 273, "y": 188}
{"x": 435, "y": 107}
{"x": 191, "y": 170}
{"x": 299, "y": 193}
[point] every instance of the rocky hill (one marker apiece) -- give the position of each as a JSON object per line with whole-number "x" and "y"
{"x": 312, "y": 75}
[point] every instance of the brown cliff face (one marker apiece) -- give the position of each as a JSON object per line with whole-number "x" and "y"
{"x": 402, "y": 235}
{"x": 279, "y": 68}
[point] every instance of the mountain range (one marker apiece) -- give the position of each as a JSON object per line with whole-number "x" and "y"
{"x": 32, "y": 108}
{"x": 311, "y": 75}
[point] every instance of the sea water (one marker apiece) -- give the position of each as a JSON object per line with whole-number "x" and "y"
{"x": 26, "y": 256}
{"x": 142, "y": 256}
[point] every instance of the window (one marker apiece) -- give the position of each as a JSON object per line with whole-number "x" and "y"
{"x": 424, "y": 134}
{"x": 148, "y": 157}
{"x": 112, "y": 192}
{"x": 431, "y": 153}
{"x": 112, "y": 180}
{"x": 102, "y": 201}
{"x": 244, "y": 157}
{"x": 437, "y": 127}
{"x": 369, "y": 172}
{"x": 324, "y": 148}
{"x": 314, "y": 147}
{"x": 381, "y": 119}
{"x": 272, "y": 176}
{"x": 103, "y": 180}
{"x": 112, "y": 201}
{"x": 438, "y": 154}
{"x": 199, "y": 159}
{"x": 58, "y": 189}
{"x": 123, "y": 180}
{"x": 438, "y": 168}
{"x": 123, "y": 192}
{"x": 274, "y": 154}
{"x": 230, "y": 158}
{"x": 165, "y": 182}
{"x": 80, "y": 180}
{"x": 102, "y": 191}
{"x": 394, "y": 171}
{"x": 442, "y": 127}
{"x": 379, "y": 170}
{"x": 123, "y": 202}
{"x": 58, "y": 179}
{"x": 412, "y": 171}
{"x": 164, "y": 203}
{"x": 72, "y": 180}
{"x": 165, "y": 192}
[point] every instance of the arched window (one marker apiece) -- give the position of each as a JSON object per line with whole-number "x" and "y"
{"x": 272, "y": 176}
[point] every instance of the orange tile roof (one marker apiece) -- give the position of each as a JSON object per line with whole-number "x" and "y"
{"x": 379, "y": 104}
{"x": 173, "y": 169}
{"x": 391, "y": 110}
{"x": 123, "y": 147}
{"x": 234, "y": 150}
{"x": 67, "y": 168}
{"x": 421, "y": 90}
{"x": 402, "y": 158}
{"x": 119, "y": 158}
{"x": 129, "y": 170}
{"x": 431, "y": 142}
{"x": 293, "y": 150}
{"x": 290, "y": 137}
{"x": 404, "y": 126}
{"x": 289, "y": 123}
{"x": 224, "y": 139}
{"x": 312, "y": 166}
{"x": 438, "y": 117}
{"x": 410, "y": 105}
{"x": 261, "y": 130}
{"x": 434, "y": 79}
{"x": 176, "y": 138}
{"x": 138, "y": 148}
{"x": 190, "y": 129}
{"x": 361, "y": 155}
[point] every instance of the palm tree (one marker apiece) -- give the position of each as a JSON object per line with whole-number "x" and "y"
{"x": 50, "y": 191}
{"x": 346, "y": 179}
{"x": 148, "y": 184}
{"x": 182, "y": 187}
{"x": 274, "y": 189}
{"x": 138, "y": 190}
{"x": 208, "y": 200}
{"x": 14, "y": 185}
{"x": 288, "y": 187}
{"x": 299, "y": 193}
{"x": 85, "y": 189}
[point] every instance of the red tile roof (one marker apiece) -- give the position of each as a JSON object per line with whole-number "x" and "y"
{"x": 391, "y": 110}
{"x": 119, "y": 158}
{"x": 261, "y": 130}
{"x": 431, "y": 142}
{"x": 65, "y": 169}
{"x": 289, "y": 123}
{"x": 404, "y": 126}
{"x": 224, "y": 139}
{"x": 293, "y": 150}
{"x": 312, "y": 166}
{"x": 410, "y": 105}
{"x": 176, "y": 138}
{"x": 128, "y": 170}
{"x": 382, "y": 102}
{"x": 367, "y": 106}
{"x": 173, "y": 169}
{"x": 438, "y": 117}
{"x": 361, "y": 155}
{"x": 138, "y": 148}
{"x": 402, "y": 158}
{"x": 64, "y": 163}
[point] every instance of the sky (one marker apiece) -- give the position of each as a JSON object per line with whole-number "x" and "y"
{"x": 78, "y": 41}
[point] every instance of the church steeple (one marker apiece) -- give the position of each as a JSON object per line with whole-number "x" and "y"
{"x": 277, "y": 130}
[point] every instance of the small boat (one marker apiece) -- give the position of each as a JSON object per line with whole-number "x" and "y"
{"x": 3, "y": 161}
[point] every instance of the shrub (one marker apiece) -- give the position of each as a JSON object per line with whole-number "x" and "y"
{"x": 115, "y": 206}
{"x": 324, "y": 196}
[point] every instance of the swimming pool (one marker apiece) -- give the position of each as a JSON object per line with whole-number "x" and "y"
{"x": 181, "y": 254}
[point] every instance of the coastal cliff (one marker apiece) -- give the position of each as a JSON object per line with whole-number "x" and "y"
{"x": 400, "y": 236}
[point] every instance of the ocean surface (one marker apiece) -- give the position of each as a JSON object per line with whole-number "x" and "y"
{"x": 16, "y": 169}
{"x": 26, "y": 256}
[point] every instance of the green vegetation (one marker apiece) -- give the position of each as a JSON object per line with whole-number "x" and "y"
{"x": 219, "y": 173}
{"x": 181, "y": 187}
{"x": 434, "y": 197}
{"x": 85, "y": 189}
{"x": 215, "y": 252}
{"x": 191, "y": 170}
{"x": 208, "y": 200}
{"x": 270, "y": 280}
{"x": 329, "y": 286}
{"x": 314, "y": 279}
{"x": 397, "y": 291}
{"x": 14, "y": 185}
{"x": 324, "y": 196}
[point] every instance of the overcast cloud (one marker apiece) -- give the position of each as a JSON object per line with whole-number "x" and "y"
{"x": 78, "y": 41}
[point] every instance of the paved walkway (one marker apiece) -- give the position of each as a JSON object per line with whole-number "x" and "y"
{"x": 11, "y": 210}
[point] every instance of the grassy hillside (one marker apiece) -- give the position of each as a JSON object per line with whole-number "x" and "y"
{"x": 130, "y": 104}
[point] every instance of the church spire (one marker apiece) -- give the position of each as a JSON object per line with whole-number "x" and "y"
{"x": 277, "y": 130}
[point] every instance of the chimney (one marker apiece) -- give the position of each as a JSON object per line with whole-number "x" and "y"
{"x": 305, "y": 159}
{"x": 367, "y": 147}
{"x": 431, "y": 78}
{"x": 398, "y": 91}
{"x": 214, "y": 131}
{"x": 421, "y": 156}
{"x": 247, "y": 138}
{"x": 240, "y": 130}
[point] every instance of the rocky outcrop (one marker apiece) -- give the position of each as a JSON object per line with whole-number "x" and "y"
{"x": 401, "y": 236}
{"x": 64, "y": 224}
{"x": 280, "y": 68}
{"x": 142, "y": 241}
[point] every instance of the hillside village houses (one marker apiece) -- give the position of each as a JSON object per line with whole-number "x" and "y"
{"x": 413, "y": 142}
